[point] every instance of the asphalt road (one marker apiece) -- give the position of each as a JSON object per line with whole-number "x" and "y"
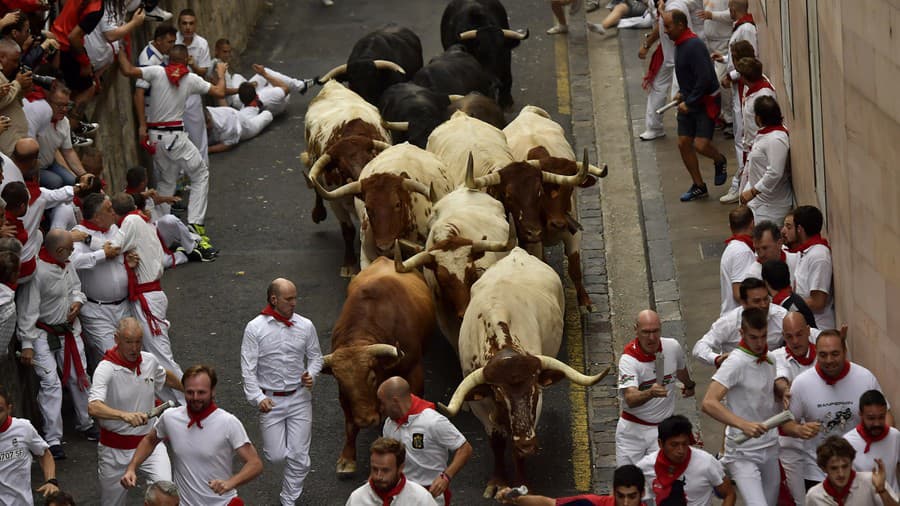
{"x": 259, "y": 217}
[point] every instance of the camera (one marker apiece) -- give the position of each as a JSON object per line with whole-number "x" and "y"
{"x": 43, "y": 81}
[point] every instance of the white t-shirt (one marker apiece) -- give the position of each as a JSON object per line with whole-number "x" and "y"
{"x": 788, "y": 368}
{"x": 274, "y": 99}
{"x": 814, "y": 274}
{"x": 17, "y": 444}
{"x": 862, "y": 493}
{"x": 412, "y": 495}
{"x": 39, "y": 115}
{"x": 725, "y": 334}
{"x": 226, "y": 125}
{"x": 149, "y": 56}
{"x": 53, "y": 137}
{"x": 736, "y": 259}
{"x": 140, "y": 236}
{"x": 199, "y": 50}
{"x": 703, "y": 474}
{"x": 101, "y": 51}
{"x": 748, "y": 115}
{"x": 428, "y": 438}
{"x": 102, "y": 279}
{"x": 750, "y": 396}
{"x": 791, "y": 259}
{"x": 642, "y": 375}
{"x": 888, "y": 450}
{"x": 168, "y": 101}
{"x": 202, "y": 455}
{"x": 836, "y": 406}
{"x": 121, "y": 388}
{"x": 766, "y": 171}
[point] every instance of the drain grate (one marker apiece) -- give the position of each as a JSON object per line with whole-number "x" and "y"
{"x": 711, "y": 249}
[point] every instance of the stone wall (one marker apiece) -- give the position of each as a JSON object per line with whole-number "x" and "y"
{"x": 113, "y": 107}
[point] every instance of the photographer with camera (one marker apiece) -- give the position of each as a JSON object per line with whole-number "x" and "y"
{"x": 36, "y": 49}
{"x": 15, "y": 83}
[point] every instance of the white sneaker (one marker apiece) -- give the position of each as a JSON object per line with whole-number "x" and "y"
{"x": 596, "y": 28}
{"x": 648, "y": 135}
{"x": 327, "y": 3}
{"x": 730, "y": 198}
{"x": 556, "y": 29}
{"x": 159, "y": 14}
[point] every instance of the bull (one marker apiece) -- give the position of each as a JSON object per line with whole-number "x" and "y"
{"x": 454, "y": 141}
{"x": 483, "y": 28}
{"x": 381, "y": 332}
{"x": 394, "y": 198}
{"x": 480, "y": 107}
{"x": 389, "y": 55}
{"x": 343, "y": 133}
{"x": 456, "y": 72}
{"x": 511, "y": 332}
{"x": 414, "y": 111}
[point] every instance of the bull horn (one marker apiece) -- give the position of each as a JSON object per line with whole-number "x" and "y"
{"x": 534, "y": 163}
{"x": 573, "y": 180}
{"x": 380, "y": 145}
{"x": 474, "y": 183}
{"x": 572, "y": 375}
{"x": 340, "y": 69}
{"x": 411, "y": 245}
{"x": 512, "y": 34}
{"x": 388, "y": 65}
{"x": 399, "y": 126}
{"x": 474, "y": 379}
{"x": 413, "y": 262}
{"x": 411, "y": 185}
{"x": 326, "y": 360}
{"x": 468, "y": 35}
{"x": 304, "y": 158}
{"x": 319, "y": 166}
{"x": 454, "y": 98}
{"x": 497, "y": 246}
{"x": 383, "y": 350}
{"x": 349, "y": 189}
{"x": 597, "y": 171}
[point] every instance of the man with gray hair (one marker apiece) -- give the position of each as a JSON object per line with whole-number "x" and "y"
{"x": 11, "y": 101}
{"x": 162, "y": 493}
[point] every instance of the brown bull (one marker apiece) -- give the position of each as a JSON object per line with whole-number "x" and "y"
{"x": 381, "y": 332}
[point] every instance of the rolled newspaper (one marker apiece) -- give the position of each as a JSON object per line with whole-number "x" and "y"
{"x": 668, "y": 106}
{"x": 776, "y": 421}
{"x": 158, "y": 410}
{"x": 660, "y": 368}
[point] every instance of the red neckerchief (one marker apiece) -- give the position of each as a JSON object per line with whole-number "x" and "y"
{"x": 744, "y": 238}
{"x": 113, "y": 356}
{"x": 760, "y": 84}
{"x": 199, "y": 417}
{"x": 136, "y": 212}
{"x": 21, "y": 233}
{"x": 132, "y": 190}
{"x": 812, "y": 241}
{"x": 6, "y": 424}
{"x": 34, "y": 190}
{"x": 12, "y": 285}
{"x": 418, "y": 405}
{"x": 783, "y": 258}
{"x": 831, "y": 381}
{"x": 839, "y": 496}
{"x": 804, "y": 361}
{"x": 255, "y": 103}
{"x": 782, "y": 294}
{"x": 45, "y": 255}
{"x": 656, "y": 63}
{"x": 869, "y": 439}
{"x": 176, "y": 72}
{"x": 746, "y": 18}
{"x": 270, "y": 311}
{"x": 666, "y": 475}
{"x": 36, "y": 93}
{"x": 760, "y": 358}
{"x": 769, "y": 129}
{"x": 388, "y": 497}
{"x": 634, "y": 349}
{"x": 685, "y": 36}
{"x": 93, "y": 226}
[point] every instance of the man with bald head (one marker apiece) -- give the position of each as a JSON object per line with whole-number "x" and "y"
{"x": 647, "y": 396}
{"x": 427, "y": 435}
{"x": 18, "y": 83}
{"x": 126, "y": 383}
{"x": 280, "y": 360}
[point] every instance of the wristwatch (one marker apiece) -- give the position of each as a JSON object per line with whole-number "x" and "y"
{"x": 87, "y": 240}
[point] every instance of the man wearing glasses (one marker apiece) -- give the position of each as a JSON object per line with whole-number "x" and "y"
{"x": 47, "y": 122}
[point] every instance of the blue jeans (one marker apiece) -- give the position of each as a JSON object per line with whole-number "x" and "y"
{"x": 56, "y": 176}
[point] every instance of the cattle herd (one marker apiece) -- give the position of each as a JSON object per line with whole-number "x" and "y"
{"x": 443, "y": 191}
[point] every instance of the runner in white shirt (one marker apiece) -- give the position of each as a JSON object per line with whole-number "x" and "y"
{"x": 724, "y": 334}
{"x": 154, "y": 53}
{"x": 747, "y": 376}
{"x": 269, "y": 88}
{"x": 18, "y": 442}
{"x": 737, "y": 258}
{"x": 165, "y": 113}
{"x": 203, "y": 439}
{"x": 768, "y": 188}
{"x": 798, "y": 355}
{"x": 826, "y": 397}
{"x": 387, "y": 483}
{"x": 102, "y": 44}
{"x": 199, "y": 63}
{"x": 754, "y": 84}
{"x": 873, "y": 439}
{"x": 427, "y": 436}
{"x": 813, "y": 276}
{"x": 280, "y": 360}
{"x": 676, "y": 471}
{"x": 125, "y": 386}
{"x": 845, "y": 487}
{"x": 645, "y": 402}
{"x": 227, "y": 126}
{"x": 769, "y": 245}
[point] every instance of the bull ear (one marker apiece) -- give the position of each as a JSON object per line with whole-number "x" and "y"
{"x": 588, "y": 182}
{"x": 549, "y": 377}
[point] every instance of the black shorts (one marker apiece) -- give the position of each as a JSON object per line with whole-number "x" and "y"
{"x": 696, "y": 123}
{"x": 636, "y": 8}
{"x": 71, "y": 71}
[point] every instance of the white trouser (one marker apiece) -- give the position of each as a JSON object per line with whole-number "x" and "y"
{"x": 195, "y": 125}
{"x": 793, "y": 462}
{"x": 98, "y": 326}
{"x": 174, "y": 231}
{"x": 111, "y": 465}
{"x": 63, "y": 216}
{"x": 174, "y": 153}
{"x": 658, "y": 96}
{"x": 773, "y": 213}
{"x": 634, "y": 441}
{"x": 175, "y": 259}
{"x": 286, "y": 436}
{"x": 50, "y": 395}
{"x": 756, "y": 474}
{"x": 159, "y": 345}
{"x": 253, "y": 122}
{"x": 737, "y": 127}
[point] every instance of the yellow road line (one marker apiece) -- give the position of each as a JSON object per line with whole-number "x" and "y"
{"x": 581, "y": 445}
{"x": 561, "y": 50}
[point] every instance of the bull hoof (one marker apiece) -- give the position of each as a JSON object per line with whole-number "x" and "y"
{"x": 345, "y": 467}
{"x": 348, "y": 271}
{"x": 319, "y": 214}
